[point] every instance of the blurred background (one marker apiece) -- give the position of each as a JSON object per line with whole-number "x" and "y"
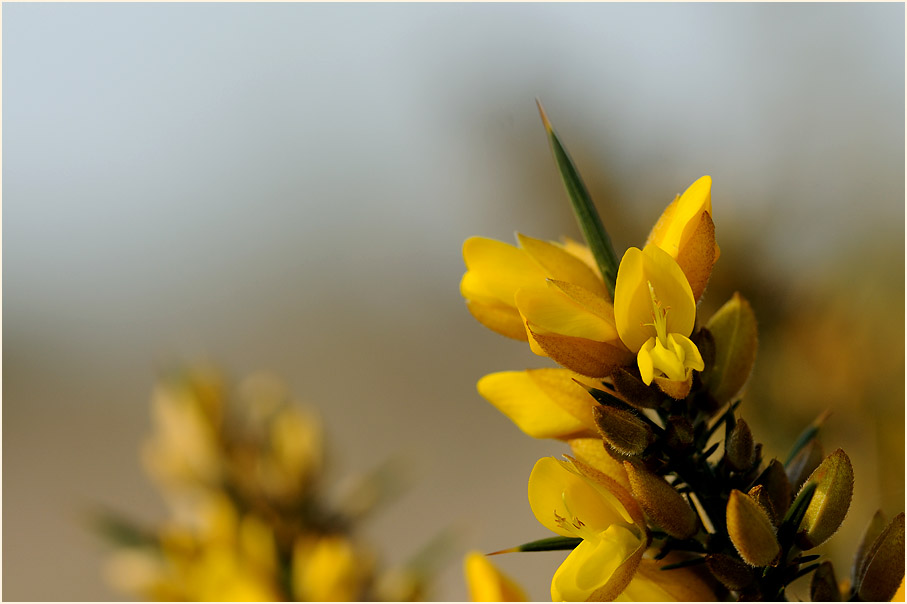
{"x": 287, "y": 187}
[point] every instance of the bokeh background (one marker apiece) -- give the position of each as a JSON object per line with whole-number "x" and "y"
{"x": 287, "y": 187}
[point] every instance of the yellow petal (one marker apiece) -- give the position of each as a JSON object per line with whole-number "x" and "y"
{"x": 499, "y": 318}
{"x": 582, "y": 251}
{"x": 496, "y": 270}
{"x": 568, "y": 503}
{"x": 543, "y": 403}
{"x": 681, "y": 218}
{"x": 598, "y": 569}
{"x": 551, "y": 311}
{"x": 560, "y": 264}
{"x": 633, "y": 306}
{"x": 488, "y": 584}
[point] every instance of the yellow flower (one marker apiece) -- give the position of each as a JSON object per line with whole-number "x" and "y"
{"x": 329, "y": 569}
{"x": 488, "y": 584}
{"x": 553, "y": 296}
{"x": 686, "y": 232}
{"x": 655, "y": 313}
{"x": 574, "y": 500}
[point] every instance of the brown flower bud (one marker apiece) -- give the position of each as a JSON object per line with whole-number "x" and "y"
{"x": 733, "y": 328}
{"x": 635, "y": 390}
{"x": 829, "y": 505}
{"x": 622, "y": 430}
{"x": 777, "y": 487}
{"x": 884, "y": 567}
{"x": 807, "y": 460}
{"x": 824, "y": 586}
{"x": 751, "y": 531}
{"x": 663, "y": 505}
{"x": 679, "y": 432}
{"x": 732, "y": 573}
{"x": 760, "y": 496}
{"x": 738, "y": 447}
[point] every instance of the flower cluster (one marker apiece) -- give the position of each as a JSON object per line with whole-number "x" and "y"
{"x": 647, "y": 504}
{"x": 242, "y": 475}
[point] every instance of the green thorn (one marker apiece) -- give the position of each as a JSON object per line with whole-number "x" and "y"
{"x": 589, "y": 221}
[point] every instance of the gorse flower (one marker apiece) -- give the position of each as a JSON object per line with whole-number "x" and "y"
{"x": 655, "y": 313}
{"x": 574, "y": 500}
{"x": 551, "y": 296}
{"x": 243, "y": 476}
{"x": 645, "y": 506}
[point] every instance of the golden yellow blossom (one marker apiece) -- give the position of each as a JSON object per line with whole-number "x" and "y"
{"x": 574, "y": 500}
{"x": 686, "y": 232}
{"x": 655, "y": 313}
{"x": 488, "y": 584}
{"x": 329, "y": 569}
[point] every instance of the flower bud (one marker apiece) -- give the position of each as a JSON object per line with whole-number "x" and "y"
{"x": 733, "y": 328}
{"x": 732, "y": 573}
{"x": 623, "y": 431}
{"x": 738, "y": 447}
{"x": 824, "y": 586}
{"x": 884, "y": 566}
{"x": 751, "y": 530}
{"x": 807, "y": 460}
{"x": 760, "y": 496}
{"x": 829, "y": 505}
{"x": 663, "y": 505}
{"x": 679, "y": 432}
{"x": 870, "y": 534}
{"x": 777, "y": 487}
{"x": 635, "y": 390}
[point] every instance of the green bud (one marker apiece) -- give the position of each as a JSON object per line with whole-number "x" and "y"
{"x": 751, "y": 530}
{"x": 884, "y": 567}
{"x": 805, "y": 462}
{"x": 730, "y": 571}
{"x": 632, "y": 388}
{"x": 824, "y": 586}
{"x": 664, "y": 506}
{"x": 872, "y": 532}
{"x": 826, "y": 511}
{"x": 623, "y": 431}
{"x": 733, "y": 328}
{"x": 738, "y": 447}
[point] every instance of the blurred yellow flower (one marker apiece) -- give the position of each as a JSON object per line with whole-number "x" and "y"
{"x": 329, "y": 568}
{"x": 488, "y": 584}
{"x": 574, "y": 500}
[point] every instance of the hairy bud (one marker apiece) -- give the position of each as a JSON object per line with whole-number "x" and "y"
{"x": 884, "y": 566}
{"x": 732, "y": 573}
{"x": 829, "y": 505}
{"x": 824, "y": 586}
{"x": 751, "y": 530}
{"x": 738, "y": 447}
{"x": 663, "y": 505}
{"x": 733, "y": 329}
{"x": 623, "y": 431}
